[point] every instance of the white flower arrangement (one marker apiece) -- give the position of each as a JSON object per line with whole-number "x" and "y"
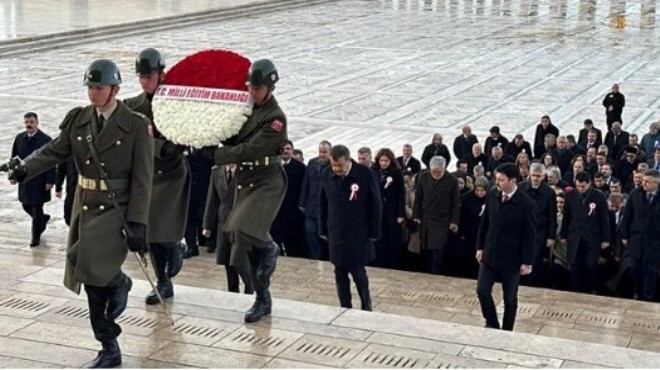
{"x": 198, "y": 123}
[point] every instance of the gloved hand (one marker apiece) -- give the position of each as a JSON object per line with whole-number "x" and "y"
{"x": 17, "y": 174}
{"x": 169, "y": 149}
{"x": 136, "y": 239}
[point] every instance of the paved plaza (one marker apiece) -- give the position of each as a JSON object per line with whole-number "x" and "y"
{"x": 358, "y": 72}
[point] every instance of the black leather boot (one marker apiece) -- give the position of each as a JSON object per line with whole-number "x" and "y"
{"x": 164, "y": 284}
{"x": 109, "y": 356}
{"x": 192, "y": 251}
{"x": 265, "y": 261}
{"x": 174, "y": 259}
{"x": 118, "y": 299}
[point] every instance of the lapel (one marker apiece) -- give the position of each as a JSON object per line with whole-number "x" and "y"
{"x": 115, "y": 128}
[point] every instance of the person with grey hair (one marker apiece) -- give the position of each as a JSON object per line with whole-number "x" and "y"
{"x": 616, "y": 139}
{"x": 614, "y": 102}
{"x": 651, "y": 140}
{"x": 497, "y": 158}
{"x": 437, "y": 210}
{"x": 543, "y": 129}
{"x": 546, "y": 224}
{"x": 436, "y": 148}
{"x": 641, "y": 236}
{"x": 553, "y": 176}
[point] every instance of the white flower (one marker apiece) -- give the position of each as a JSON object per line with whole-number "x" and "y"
{"x": 198, "y": 123}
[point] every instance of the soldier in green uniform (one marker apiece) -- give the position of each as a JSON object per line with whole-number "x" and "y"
{"x": 170, "y": 196}
{"x": 96, "y": 246}
{"x": 261, "y": 182}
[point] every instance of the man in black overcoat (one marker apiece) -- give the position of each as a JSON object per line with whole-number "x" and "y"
{"x": 34, "y": 193}
{"x": 546, "y": 222}
{"x": 350, "y": 214}
{"x": 288, "y": 228}
{"x": 585, "y": 231}
{"x": 505, "y": 245}
{"x": 641, "y": 235}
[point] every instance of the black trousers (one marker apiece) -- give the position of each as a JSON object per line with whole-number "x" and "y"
{"x": 344, "y": 287}
{"x": 193, "y": 233}
{"x": 36, "y": 211}
{"x": 509, "y": 278}
{"x": 105, "y": 331}
{"x": 584, "y": 271}
{"x": 68, "y": 207}
{"x": 233, "y": 283}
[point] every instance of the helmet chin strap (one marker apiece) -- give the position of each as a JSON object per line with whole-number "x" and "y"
{"x": 111, "y": 95}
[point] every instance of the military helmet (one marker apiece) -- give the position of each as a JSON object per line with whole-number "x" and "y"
{"x": 262, "y": 73}
{"x": 102, "y": 72}
{"x": 149, "y": 60}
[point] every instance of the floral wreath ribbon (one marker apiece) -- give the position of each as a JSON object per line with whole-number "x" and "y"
{"x": 200, "y": 116}
{"x": 354, "y": 192}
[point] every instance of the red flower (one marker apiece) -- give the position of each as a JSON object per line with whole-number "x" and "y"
{"x": 216, "y": 68}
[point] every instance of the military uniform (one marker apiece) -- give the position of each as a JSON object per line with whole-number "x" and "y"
{"x": 168, "y": 209}
{"x": 96, "y": 246}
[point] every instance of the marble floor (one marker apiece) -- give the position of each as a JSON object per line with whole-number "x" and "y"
{"x": 364, "y": 73}
{"x": 418, "y": 321}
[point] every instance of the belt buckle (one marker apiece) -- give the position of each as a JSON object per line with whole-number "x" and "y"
{"x": 103, "y": 186}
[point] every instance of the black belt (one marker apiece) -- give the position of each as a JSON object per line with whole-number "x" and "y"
{"x": 266, "y": 161}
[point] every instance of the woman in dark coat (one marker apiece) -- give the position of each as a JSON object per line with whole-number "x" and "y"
{"x": 389, "y": 249}
{"x": 472, "y": 208}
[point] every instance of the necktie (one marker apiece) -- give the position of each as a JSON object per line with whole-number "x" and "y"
{"x": 101, "y": 122}
{"x": 505, "y": 197}
{"x": 230, "y": 177}
{"x": 649, "y": 196}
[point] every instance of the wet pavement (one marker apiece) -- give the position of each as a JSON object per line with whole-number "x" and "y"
{"x": 361, "y": 73}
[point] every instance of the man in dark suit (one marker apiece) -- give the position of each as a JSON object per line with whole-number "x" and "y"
{"x": 654, "y": 163}
{"x": 563, "y": 154}
{"x": 589, "y": 126}
{"x": 463, "y": 143}
{"x": 505, "y": 245}
{"x": 546, "y": 221}
{"x": 350, "y": 212}
{"x": 200, "y": 175}
{"x": 407, "y": 162}
{"x": 585, "y": 231}
{"x": 67, "y": 171}
{"x": 219, "y": 202}
{"x": 288, "y": 228}
{"x": 517, "y": 146}
{"x": 435, "y": 148}
{"x": 493, "y": 140}
{"x": 614, "y": 102}
{"x": 641, "y": 235}
{"x": 615, "y": 140}
{"x": 34, "y": 193}
{"x": 542, "y": 130}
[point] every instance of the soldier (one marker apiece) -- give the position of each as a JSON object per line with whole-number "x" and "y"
{"x": 119, "y": 138}
{"x": 168, "y": 208}
{"x": 260, "y": 181}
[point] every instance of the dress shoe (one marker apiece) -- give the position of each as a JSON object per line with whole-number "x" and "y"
{"x": 109, "y": 356}
{"x": 35, "y": 242}
{"x": 165, "y": 289}
{"x": 210, "y": 249}
{"x": 191, "y": 252}
{"x": 118, "y": 299}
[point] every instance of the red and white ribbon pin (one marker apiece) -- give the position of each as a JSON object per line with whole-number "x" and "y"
{"x": 592, "y": 208}
{"x": 354, "y": 192}
{"x": 388, "y": 181}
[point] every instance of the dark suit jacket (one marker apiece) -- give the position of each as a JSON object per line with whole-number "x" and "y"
{"x": 219, "y": 202}
{"x": 512, "y": 150}
{"x": 652, "y": 164}
{"x": 33, "y": 191}
{"x": 507, "y": 231}
{"x": 583, "y": 136}
{"x": 413, "y": 166}
{"x": 432, "y": 150}
{"x": 539, "y": 138}
{"x": 616, "y": 148}
{"x": 463, "y": 145}
{"x": 578, "y": 224}
{"x": 640, "y": 226}
{"x": 351, "y": 225}
{"x": 67, "y": 171}
{"x": 546, "y": 210}
{"x": 289, "y": 224}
